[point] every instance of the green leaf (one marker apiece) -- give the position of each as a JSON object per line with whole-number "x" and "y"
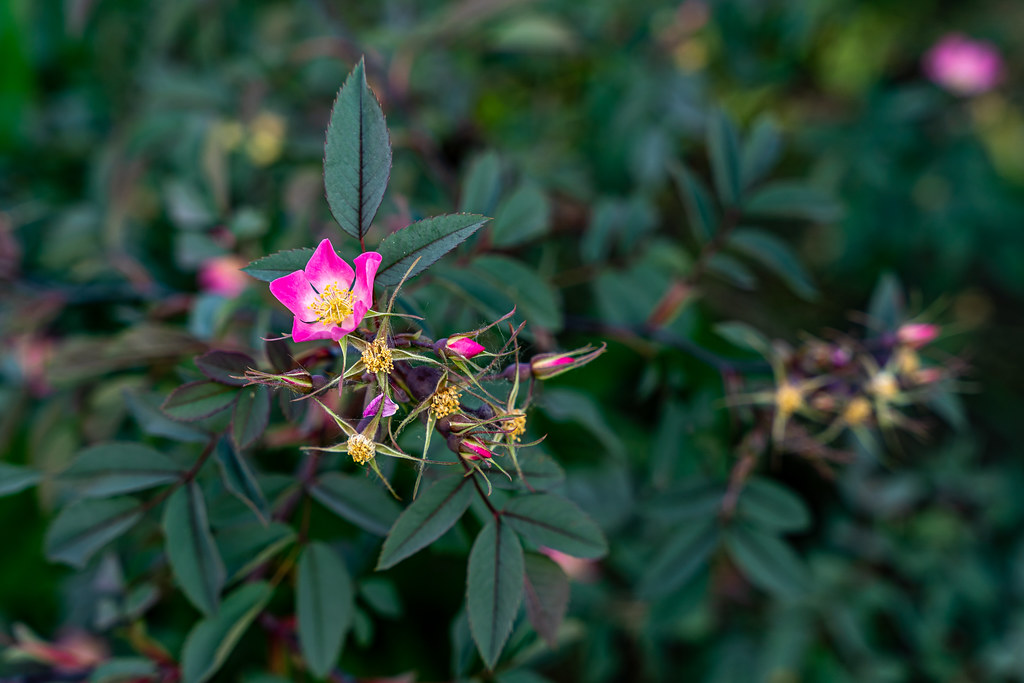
{"x": 357, "y": 155}
{"x": 226, "y": 367}
{"x": 693, "y": 498}
{"x": 279, "y": 264}
{"x": 761, "y": 151}
{"x": 723, "y": 147}
{"x": 773, "y": 507}
{"x": 700, "y": 210}
{"x": 787, "y": 199}
{"x": 124, "y": 670}
{"x": 494, "y": 588}
{"x": 546, "y": 590}
{"x": 521, "y": 217}
{"x": 680, "y": 558}
{"x": 324, "y": 603}
{"x": 14, "y": 478}
{"x": 426, "y": 519}
{"x": 211, "y": 640}
{"x": 775, "y": 255}
{"x": 240, "y": 480}
{"x": 145, "y": 408}
{"x": 191, "y": 551}
{"x": 744, "y": 336}
{"x": 540, "y": 472}
{"x": 482, "y": 185}
{"x": 85, "y": 526}
{"x": 732, "y": 270}
{"x": 536, "y": 300}
{"x": 243, "y": 547}
{"x": 428, "y": 240}
{"x": 767, "y": 561}
{"x": 557, "y": 523}
{"x": 358, "y": 500}
{"x": 251, "y": 416}
{"x": 196, "y": 400}
{"x": 887, "y": 308}
{"x": 113, "y": 468}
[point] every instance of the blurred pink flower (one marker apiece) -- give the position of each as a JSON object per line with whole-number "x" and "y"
{"x": 963, "y": 66}
{"x": 917, "y": 335}
{"x": 73, "y": 652}
{"x": 575, "y": 568}
{"x": 223, "y": 275}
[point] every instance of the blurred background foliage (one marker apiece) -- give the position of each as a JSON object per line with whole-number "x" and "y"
{"x": 148, "y": 150}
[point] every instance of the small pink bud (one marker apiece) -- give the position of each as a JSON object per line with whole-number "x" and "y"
{"x": 917, "y": 335}
{"x": 464, "y": 346}
{"x": 390, "y": 407}
{"x": 548, "y": 365}
{"x": 223, "y": 276}
{"x": 963, "y": 66}
{"x": 575, "y": 568}
{"x": 299, "y": 381}
{"x": 474, "y": 449}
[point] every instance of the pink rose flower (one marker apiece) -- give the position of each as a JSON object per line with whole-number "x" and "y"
{"x": 223, "y": 275}
{"x": 390, "y": 407}
{"x": 963, "y": 66}
{"x": 916, "y": 335}
{"x": 328, "y": 298}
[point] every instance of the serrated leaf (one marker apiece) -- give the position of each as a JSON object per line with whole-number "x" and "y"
{"x": 191, "y": 551}
{"x": 723, "y": 147}
{"x": 787, "y": 199}
{"x": 324, "y": 604}
{"x": 546, "y": 590}
{"x": 767, "y": 561}
{"x": 426, "y": 519}
{"x": 551, "y": 521}
{"x": 761, "y": 151}
{"x": 357, "y": 155}
{"x": 15, "y": 478}
{"x": 766, "y": 504}
{"x": 521, "y": 217}
{"x": 251, "y": 416}
{"x": 196, "y": 400}
{"x": 774, "y": 254}
{"x": 113, "y": 468}
{"x": 243, "y": 547}
{"x": 494, "y": 588}
{"x": 732, "y": 270}
{"x": 680, "y": 558}
{"x": 700, "y": 210}
{"x": 225, "y": 367}
{"x": 358, "y": 500}
{"x": 279, "y": 264}
{"x": 211, "y": 640}
{"x": 482, "y": 185}
{"x": 239, "y": 479}
{"x": 85, "y": 526}
{"x": 428, "y": 240}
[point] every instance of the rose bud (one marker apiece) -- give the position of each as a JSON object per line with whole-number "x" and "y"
{"x": 463, "y": 346}
{"x": 298, "y": 381}
{"x": 548, "y": 365}
{"x": 916, "y": 335}
{"x": 472, "y": 448}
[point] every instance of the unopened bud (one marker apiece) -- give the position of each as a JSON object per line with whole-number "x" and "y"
{"x": 299, "y": 381}
{"x": 548, "y": 365}
{"x": 464, "y": 346}
{"x": 916, "y": 335}
{"x": 472, "y": 448}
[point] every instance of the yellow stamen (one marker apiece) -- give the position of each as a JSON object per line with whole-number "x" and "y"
{"x": 361, "y": 448}
{"x": 907, "y": 361}
{"x": 857, "y": 411}
{"x": 333, "y": 305}
{"x": 444, "y": 402}
{"x": 516, "y": 427}
{"x": 789, "y": 399}
{"x": 377, "y": 357}
{"x": 884, "y": 385}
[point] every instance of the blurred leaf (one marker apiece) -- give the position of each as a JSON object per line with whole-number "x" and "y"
{"x": 788, "y": 199}
{"x": 146, "y": 411}
{"x": 767, "y": 504}
{"x": 211, "y": 640}
{"x": 188, "y": 209}
{"x": 563, "y": 405}
{"x": 225, "y": 367}
{"x": 85, "y": 526}
{"x": 358, "y": 500}
{"x": 196, "y": 400}
{"x": 482, "y": 185}
{"x": 123, "y": 670}
{"x": 540, "y": 471}
{"x": 536, "y": 300}
{"x": 428, "y": 240}
{"x": 723, "y": 147}
{"x": 886, "y": 309}
{"x": 251, "y": 416}
{"x": 556, "y": 523}
{"x": 191, "y": 551}
{"x": 521, "y": 217}
{"x": 324, "y": 602}
{"x": 944, "y": 402}
{"x": 775, "y": 255}
{"x": 426, "y": 519}
{"x": 243, "y": 547}
{"x": 239, "y": 479}
{"x": 112, "y": 468}
{"x": 693, "y": 498}
{"x": 520, "y": 676}
{"x": 744, "y": 336}
{"x": 732, "y": 270}
{"x": 357, "y": 155}
{"x": 767, "y": 561}
{"x": 279, "y": 264}
{"x": 14, "y": 478}
{"x": 546, "y": 591}
{"x": 677, "y": 560}
{"x": 534, "y": 33}
{"x": 279, "y": 354}
{"x": 761, "y": 151}
{"x": 700, "y": 210}
{"x": 381, "y": 595}
{"x": 494, "y": 588}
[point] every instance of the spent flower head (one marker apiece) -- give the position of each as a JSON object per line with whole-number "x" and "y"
{"x": 445, "y": 401}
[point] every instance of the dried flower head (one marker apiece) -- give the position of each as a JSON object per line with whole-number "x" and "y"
{"x": 361, "y": 448}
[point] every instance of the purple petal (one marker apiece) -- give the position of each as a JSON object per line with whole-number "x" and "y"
{"x": 325, "y": 267}
{"x": 390, "y": 407}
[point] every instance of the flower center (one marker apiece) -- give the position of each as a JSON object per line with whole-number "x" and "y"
{"x": 444, "y": 402}
{"x": 377, "y": 357}
{"x": 516, "y": 426}
{"x": 361, "y": 448}
{"x": 333, "y": 306}
{"x": 789, "y": 399}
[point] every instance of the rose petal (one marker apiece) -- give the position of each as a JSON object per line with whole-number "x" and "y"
{"x": 295, "y": 293}
{"x": 325, "y": 267}
{"x": 390, "y": 407}
{"x": 366, "y": 269}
